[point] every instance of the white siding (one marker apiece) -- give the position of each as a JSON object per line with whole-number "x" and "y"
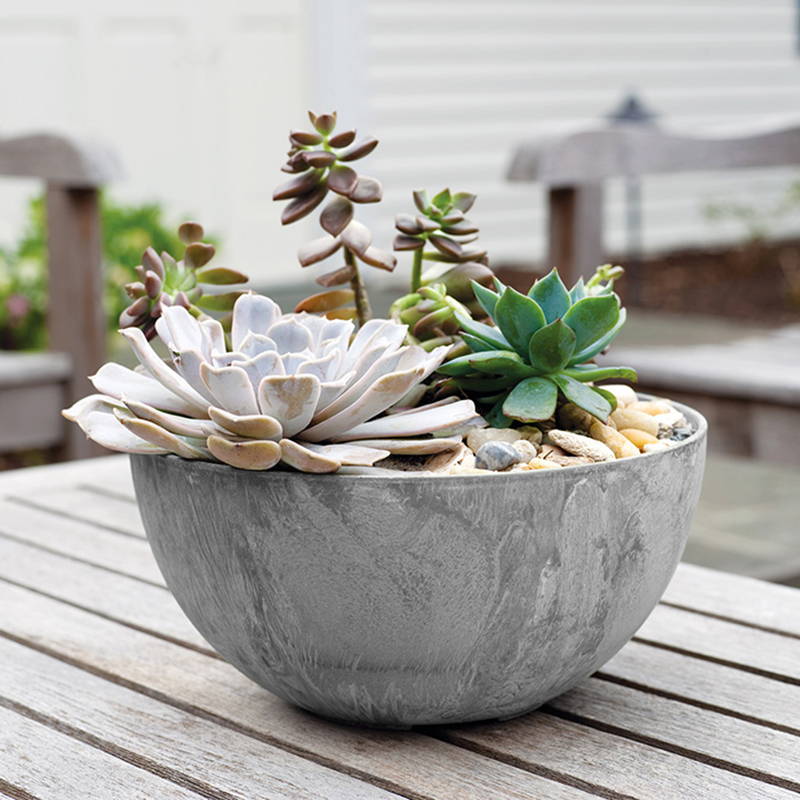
{"x": 195, "y": 96}
{"x": 455, "y": 83}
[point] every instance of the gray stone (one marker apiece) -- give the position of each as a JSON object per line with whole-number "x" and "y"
{"x": 409, "y": 599}
{"x": 496, "y": 456}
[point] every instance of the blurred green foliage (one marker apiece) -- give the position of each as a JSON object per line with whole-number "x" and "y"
{"x": 127, "y": 231}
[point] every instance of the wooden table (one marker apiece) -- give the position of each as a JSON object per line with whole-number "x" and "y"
{"x": 106, "y": 690}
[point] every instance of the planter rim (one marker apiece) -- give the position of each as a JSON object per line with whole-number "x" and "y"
{"x": 694, "y": 417}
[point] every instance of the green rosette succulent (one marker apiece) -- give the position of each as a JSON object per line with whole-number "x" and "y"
{"x": 540, "y": 347}
{"x": 164, "y": 281}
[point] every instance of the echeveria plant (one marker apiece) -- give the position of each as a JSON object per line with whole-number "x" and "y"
{"x": 292, "y": 388}
{"x": 539, "y": 348}
{"x": 320, "y": 161}
{"x": 165, "y": 282}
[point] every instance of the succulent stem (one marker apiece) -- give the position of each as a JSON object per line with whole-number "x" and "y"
{"x": 416, "y": 270}
{"x": 361, "y": 299}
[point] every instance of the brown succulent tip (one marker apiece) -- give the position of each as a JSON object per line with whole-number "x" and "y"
{"x": 190, "y": 232}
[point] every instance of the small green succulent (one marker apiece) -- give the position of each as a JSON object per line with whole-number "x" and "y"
{"x": 164, "y": 281}
{"x": 445, "y": 287}
{"x": 539, "y": 348}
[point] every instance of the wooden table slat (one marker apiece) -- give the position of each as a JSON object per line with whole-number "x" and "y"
{"x": 757, "y": 650}
{"x": 79, "y": 540}
{"x": 707, "y": 684}
{"x": 43, "y": 763}
{"x": 174, "y": 741}
{"x": 746, "y": 600}
{"x": 120, "y": 516}
{"x": 740, "y": 746}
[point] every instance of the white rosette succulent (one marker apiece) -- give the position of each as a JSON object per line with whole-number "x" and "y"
{"x": 294, "y": 388}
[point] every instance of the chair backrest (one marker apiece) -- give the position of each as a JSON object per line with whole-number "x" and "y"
{"x": 73, "y": 172}
{"x": 573, "y": 167}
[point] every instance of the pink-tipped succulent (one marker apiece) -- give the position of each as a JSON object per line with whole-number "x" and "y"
{"x": 296, "y": 389}
{"x": 164, "y": 282}
{"x": 440, "y": 233}
{"x": 321, "y": 163}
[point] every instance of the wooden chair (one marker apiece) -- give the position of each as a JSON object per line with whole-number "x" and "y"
{"x": 34, "y": 387}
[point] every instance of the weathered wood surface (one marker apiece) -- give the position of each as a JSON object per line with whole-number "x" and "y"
{"x": 100, "y": 673}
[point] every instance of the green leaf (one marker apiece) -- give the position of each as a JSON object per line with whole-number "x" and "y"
{"x": 518, "y": 317}
{"x": 531, "y": 400}
{"x": 219, "y": 302}
{"x": 475, "y": 344}
{"x": 591, "y": 319}
{"x": 498, "y": 284}
{"x": 550, "y": 348}
{"x": 220, "y": 276}
{"x": 486, "y": 297}
{"x": 551, "y": 295}
{"x": 578, "y": 291}
{"x": 593, "y": 373}
{"x": 443, "y": 200}
{"x": 610, "y": 396}
{"x": 486, "y": 384}
{"x": 496, "y": 418}
{"x": 486, "y": 361}
{"x": 485, "y": 332}
{"x": 463, "y": 201}
{"x": 604, "y": 341}
{"x": 585, "y": 397}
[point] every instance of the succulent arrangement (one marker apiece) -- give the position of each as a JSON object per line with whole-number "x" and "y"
{"x": 164, "y": 282}
{"x": 539, "y": 346}
{"x": 327, "y": 388}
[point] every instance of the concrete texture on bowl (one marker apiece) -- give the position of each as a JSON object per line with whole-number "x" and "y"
{"x": 411, "y": 600}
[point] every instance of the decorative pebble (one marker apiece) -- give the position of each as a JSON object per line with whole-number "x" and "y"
{"x": 443, "y": 462}
{"x": 637, "y": 437}
{"x": 652, "y": 407}
{"x": 525, "y": 448}
{"x": 572, "y": 417}
{"x": 656, "y": 447}
{"x": 624, "y": 394}
{"x": 547, "y": 450}
{"x": 496, "y": 455}
{"x": 538, "y": 463}
{"x": 681, "y": 432}
{"x": 479, "y": 436}
{"x": 582, "y": 446}
{"x": 570, "y": 461}
{"x": 667, "y": 422}
{"x": 531, "y": 433}
{"x": 612, "y": 438}
{"x": 628, "y": 418}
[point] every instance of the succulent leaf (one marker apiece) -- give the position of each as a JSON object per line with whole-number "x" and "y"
{"x": 518, "y": 317}
{"x": 531, "y": 400}
{"x": 592, "y": 318}
{"x": 551, "y": 347}
{"x": 585, "y": 397}
{"x": 551, "y": 295}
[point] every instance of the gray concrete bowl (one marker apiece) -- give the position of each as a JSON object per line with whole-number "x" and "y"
{"x": 409, "y": 600}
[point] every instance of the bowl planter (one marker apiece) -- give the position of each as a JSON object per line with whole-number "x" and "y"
{"x": 415, "y": 600}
